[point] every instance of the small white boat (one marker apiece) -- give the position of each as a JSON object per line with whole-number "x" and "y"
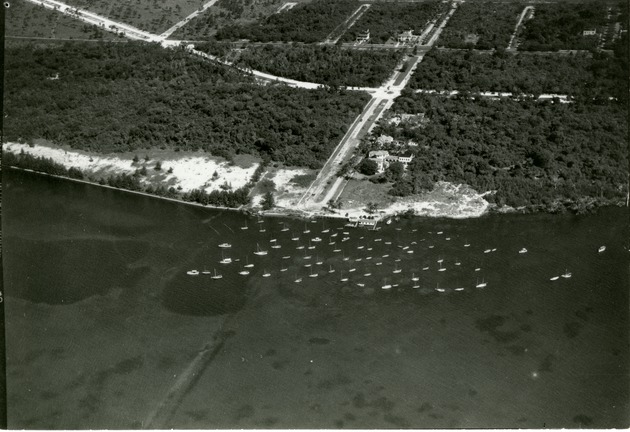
{"x": 331, "y": 270}
{"x": 206, "y": 272}
{"x": 360, "y": 284}
{"x": 367, "y": 274}
{"x": 298, "y": 280}
{"x": 394, "y": 285}
{"x": 431, "y": 247}
{"x": 295, "y": 238}
{"x": 396, "y": 270}
{"x": 244, "y": 272}
{"x": 438, "y": 289}
{"x": 425, "y": 268}
{"x": 360, "y": 247}
{"x": 286, "y": 257}
{"x": 226, "y": 261}
{"x": 343, "y": 279}
{"x": 216, "y": 275}
{"x": 554, "y": 278}
{"x": 358, "y": 259}
{"x": 410, "y": 251}
{"x": 307, "y": 265}
{"x": 272, "y": 240}
{"x": 248, "y": 265}
{"x": 313, "y": 275}
{"x": 317, "y": 239}
{"x": 440, "y": 232}
{"x": 487, "y": 251}
{"x": 225, "y": 245}
{"x": 459, "y": 289}
{"x": 385, "y": 256}
{"x": 369, "y": 248}
{"x": 308, "y": 257}
{"x": 601, "y": 249}
{"x": 388, "y": 242}
{"x": 481, "y": 284}
{"x": 457, "y": 263}
{"x": 336, "y": 250}
{"x": 440, "y": 260}
{"x": 448, "y": 238}
{"x": 259, "y": 251}
{"x": 306, "y": 230}
{"x": 522, "y": 251}
{"x": 467, "y": 245}
{"x": 266, "y": 274}
{"x": 276, "y": 246}
{"x": 192, "y": 272}
{"x": 567, "y": 274}
{"x": 379, "y": 263}
{"x": 405, "y": 248}
{"x": 378, "y": 240}
{"x": 414, "y": 277}
{"x": 351, "y": 270}
{"x": 441, "y": 269}
{"x": 262, "y": 230}
{"x": 386, "y": 287}
{"x": 415, "y": 286}
{"x": 478, "y": 269}
{"x": 299, "y": 247}
{"x": 284, "y": 228}
{"x": 494, "y": 249}
{"x": 244, "y": 227}
{"x": 283, "y": 269}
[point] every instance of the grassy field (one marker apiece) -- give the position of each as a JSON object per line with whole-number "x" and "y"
{"x": 154, "y": 16}
{"x": 226, "y": 12}
{"x": 358, "y": 193}
{"x": 28, "y": 20}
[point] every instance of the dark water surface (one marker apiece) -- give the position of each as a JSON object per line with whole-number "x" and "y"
{"x": 102, "y": 317}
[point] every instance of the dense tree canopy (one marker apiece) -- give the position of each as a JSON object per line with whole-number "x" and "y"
{"x": 582, "y": 75}
{"x": 558, "y": 26}
{"x": 328, "y": 65}
{"x": 388, "y": 20}
{"x": 122, "y": 97}
{"x": 530, "y": 153}
{"x": 482, "y": 25}
{"x": 306, "y": 22}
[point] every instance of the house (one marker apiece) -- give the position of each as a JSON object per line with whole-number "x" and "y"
{"x": 363, "y": 36}
{"x": 384, "y": 139}
{"x": 405, "y": 159}
{"x": 589, "y": 32}
{"x": 408, "y": 37}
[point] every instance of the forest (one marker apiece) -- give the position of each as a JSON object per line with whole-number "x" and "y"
{"x": 387, "y": 20}
{"x": 328, "y": 65}
{"x": 481, "y": 25}
{"x": 537, "y": 155}
{"x": 306, "y": 22}
{"x": 585, "y": 76}
{"x": 559, "y": 26}
{"x": 122, "y": 97}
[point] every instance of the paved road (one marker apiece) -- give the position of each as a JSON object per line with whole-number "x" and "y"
{"x": 173, "y": 29}
{"x": 518, "y": 24}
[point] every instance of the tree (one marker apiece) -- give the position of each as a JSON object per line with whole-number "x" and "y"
{"x": 158, "y": 166}
{"x": 371, "y": 207}
{"x": 268, "y": 201}
{"x": 395, "y": 171}
{"x": 368, "y": 167}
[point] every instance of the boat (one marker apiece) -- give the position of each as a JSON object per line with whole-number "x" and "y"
{"x": 367, "y": 274}
{"x": 554, "y": 278}
{"x": 494, "y": 249}
{"x": 334, "y": 234}
{"x": 369, "y": 248}
{"x": 225, "y": 245}
{"x": 244, "y": 272}
{"x": 206, "y": 272}
{"x": 262, "y": 230}
{"x": 481, "y": 284}
{"x": 440, "y": 260}
{"x": 276, "y": 246}
{"x": 441, "y": 269}
{"x": 192, "y": 272}
{"x": 259, "y": 251}
{"x": 414, "y": 277}
{"x": 216, "y": 275}
{"x": 385, "y": 256}
{"x": 388, "y": 242}
{"x": 386, "y": 286}
{"x": 313, "y": 275}
{"x": 478, "y": 269}
{"x": 308, "y": 257}
{"x": 567, "y": 274}
{"x": 286, "y": 257}
{"x": 351, "y": 270}
{"x": 378, "y": 240}
{"x": 438, "y": 289}
{"x": 316, "y": 239}
{"x": 467, "y": 245}
{"x": 360, "y": 247}
{"x": 343, "y": 279}
{"x": 225, "y": 260}
{"x": 283, "y": 269}
{"x": 295, "y": 238}
{"x": 273, "y": 240}
{"x": 331, "y": 270}
{"x": 397, "y": 260}
{"x": 318, "y": 262}
{"x": 306, "y": 230}
{"x": 409, "y": 251}
{"x": 307, "y": 265}
{"x": 299, "y": 247}
{"x": 297, "y": 279}
{"x": 405, "y": 248}
{"x": 448, "y": 238}
{"x": 310, "y": 246}
{"x": 415, "y": 286}
{"x": 601, "y": 249}
{"x": 336, "y": 250}
{"x": 459, "y": 289}
{"x": 331, "y": 242}
{"x": 358, "y": 259}
{"x": 440, "y": 232}
{"x": 244, "y": 227}
{"x": 379, "y": 263}
{"x": 487, "y": 251}
{"x": 431, "y": 247}
{"x": 266, "y": 274}
{"x": 457, "y": 262}
{"x": 324, "y": 229}
{"x": 345, "y": 258}
{"x": 522, "y": 251}
{"x": 368, "y": 258}
{"x": 425, "y": 268}
{"x": 284, "y": 227}
{"x": 396, "y": 269}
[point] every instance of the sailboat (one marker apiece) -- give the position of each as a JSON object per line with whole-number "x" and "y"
{"x": 243, "y": 272}
{"x": 225, "y": 245}
{"x": 601, "y": 249}
{"x": 245, "y": 226}
{"x": 425, "y": 268}
{"x": 367, "y": 274}
{"x": 312, "y": 274}
{"x": 336, "y": 250}
{"x": 318, "y": 262}
{"x": 306, "y": 230}
{"x": 522, "y": 251}
{"x": 386, "y": 286}
{"x": 248, "y": 265}
{"x": 275, "y": 246}
{"x": 216, "y": 275}
{"x": 396, "y": 269}
{"x": 379, "y": 263}
{"x": 414, "y": 277}
{"x": 324, "y": 229}
{"x": 295, "y": 238}
{"x": 266, "y": 274}
{"x": 480, "y": 285}
{"x": 259, "y": 251}
{"x": 283, "y": 269}
{"x": 343, "y": 279}
{"x": 317, "y": 239}
{"x": 441, "y": 269}
{"x": 297, "y": 279}
{"x": 205, "y": 271}
{"x": 438, "y": 289}
{"x": 567, "y": 274}
{"x": 225, "y": 260}
{"x": 310, "y": 246}
{"x": 284, "y": 227}
{"x": 193, "y": 272}
{"x": 286, "y": 257}
{"x": 331, "y": 270}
